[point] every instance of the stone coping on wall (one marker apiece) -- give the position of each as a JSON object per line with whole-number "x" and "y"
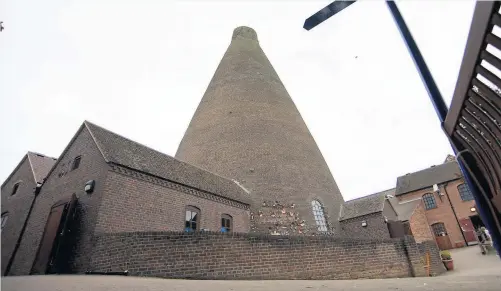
{"x": 253, "y": 236}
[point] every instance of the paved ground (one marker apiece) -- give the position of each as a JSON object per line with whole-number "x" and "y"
{"x": 473, "y": 272}
{"x": 470, "y": 262}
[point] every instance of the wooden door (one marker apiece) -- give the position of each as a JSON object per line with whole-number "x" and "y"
{"x": 441, "y": 236}
{"x": 443, "y": 242}
{"x": 468, "y": 229}
{"x": 55, "y": 229}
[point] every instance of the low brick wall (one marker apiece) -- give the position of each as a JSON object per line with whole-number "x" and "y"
{"x": 253, "y": 256}
{"x": 436, "y": 265}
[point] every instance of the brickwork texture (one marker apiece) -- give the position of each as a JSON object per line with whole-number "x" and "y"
{"x": 430, "y": 247}
{"x": 253, "y": 256}
{"x": 376, "y": 226}
{"x": 61, "y": 184}
{"x": 419, "y": 225}
{"x": 248, "y": 128}
{"x": 443, "y": 212}
{"x": 16, "y": 207}
{"x": 162, "y": 209}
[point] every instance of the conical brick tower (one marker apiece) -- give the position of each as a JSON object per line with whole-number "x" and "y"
{"x": 247, "y": 128}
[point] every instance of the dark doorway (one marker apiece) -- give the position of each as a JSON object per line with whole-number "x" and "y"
{"x": 54, "y": 238}
{"x": 396, "y": 228}
{"x": 477, "y": 222}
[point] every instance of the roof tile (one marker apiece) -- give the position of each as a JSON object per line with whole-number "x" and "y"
{"x": 122, "y": 151}
{"x": 428, "y": 177}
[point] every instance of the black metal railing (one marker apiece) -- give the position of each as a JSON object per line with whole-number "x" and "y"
{"x": 473, "y": 123}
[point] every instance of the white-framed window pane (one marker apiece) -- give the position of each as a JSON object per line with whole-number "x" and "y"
{"x": 318, "y": 214}
{"x": 465, "y": 193}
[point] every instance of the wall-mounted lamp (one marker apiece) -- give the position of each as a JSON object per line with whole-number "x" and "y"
{"x": 364, "y": 223}
{"x": 473, "y": 209}
{"x": 89, "y": 186}
{"x": 38, "y": 188}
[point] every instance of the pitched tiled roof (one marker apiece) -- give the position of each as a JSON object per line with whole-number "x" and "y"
{"x": 428, "y": 177}
{"x": 41, "y": 165}
{"x": 122, "y": 151}
{"x": 364, "y": 205}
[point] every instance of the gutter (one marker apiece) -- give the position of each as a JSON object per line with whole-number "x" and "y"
{"x": 25, "y": 224}
{"x": 454, "y": 212}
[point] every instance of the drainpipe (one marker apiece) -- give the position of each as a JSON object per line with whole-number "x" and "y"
{"x": 18, "y": 242}
{"x": 454, "y": 212}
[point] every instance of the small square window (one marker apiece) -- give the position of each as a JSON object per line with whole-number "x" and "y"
{"x": 226, "y": 223}
{"x": 465, "y": 193}
{"x": 15, "y": 188}
{"x": 76, "y": 163}
{"x": 192, "y": 219}
{"x": 429, "y": 201}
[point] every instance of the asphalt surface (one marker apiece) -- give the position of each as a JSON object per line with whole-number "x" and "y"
{"x": 112, "y": 283}
{"x": 472, "y": 272}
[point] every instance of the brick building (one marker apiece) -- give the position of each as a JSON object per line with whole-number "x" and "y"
{"x": 447, "y": 200}
{"x": 247, "y": 127}
{"x": 375, "y": 215}
{"x": 247, "y": 180}
{"x": 132, "y": 188}
{"x": 18, "y": 196}
{"x": 367, "y": 216}
{"x": 432, "y": 204}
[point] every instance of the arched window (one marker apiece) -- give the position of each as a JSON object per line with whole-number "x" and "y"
{"x": 192, "y": 220}
{"x": 465, "y": 193}
{"x": 76, "y": 163}
{"x": 429, "y": 201}
{"x": 318, "y": 213}
{"x": 439, "y": 229}
{"x": 14, "y": 188}
{"x": 226, "y": 223}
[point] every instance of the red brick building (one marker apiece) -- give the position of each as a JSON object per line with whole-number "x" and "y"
{"x": 447, "y": 200}
{"x": 374, "y": 215}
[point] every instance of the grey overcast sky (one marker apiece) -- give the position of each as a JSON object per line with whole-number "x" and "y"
{"x": 140, "y": 68}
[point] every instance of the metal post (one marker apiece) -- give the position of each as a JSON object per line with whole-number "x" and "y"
{"x": 424, "y": 72}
